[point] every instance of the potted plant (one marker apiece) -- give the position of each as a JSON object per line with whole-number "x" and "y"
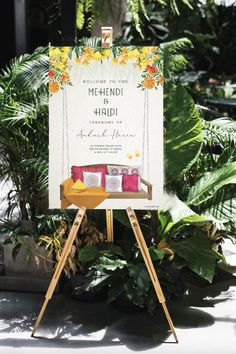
{"x": 118, "y": 270}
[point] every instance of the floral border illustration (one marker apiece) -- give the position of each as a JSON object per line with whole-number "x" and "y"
{"x": 146, "y": 59}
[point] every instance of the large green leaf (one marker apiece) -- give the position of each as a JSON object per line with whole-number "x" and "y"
{"x": 194, "y": 220}
{"x": 223, "y": 205}
{"x": 210, "y": 183}
{"x": 166, "y": 222}
{"x": 198, "y": 254}
{"x": 177, "y": 216}
{"x": 122, "y": 217}
{"x": 156, "y": 254}
{"x": 92, "y": 282}
{"x": 105, "y": 263}
{"x": 88, "y": 253}
{"x": 183, "y": 136}
{"x": 140, "y": 275}
{"x": 176, "y": 208}
{"x": 134, "y": 293}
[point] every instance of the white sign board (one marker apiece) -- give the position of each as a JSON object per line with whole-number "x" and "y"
{"x": 105, "y": 127}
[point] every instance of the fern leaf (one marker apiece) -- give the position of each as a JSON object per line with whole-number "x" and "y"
{"x": 133, "y": 6}
{"x": 178, "y": 44}
{"x": 187, "y": 3}
{"x": 80, "y": 14}
{"x": 143, "y": 8}
{"x": 88, "y": 5}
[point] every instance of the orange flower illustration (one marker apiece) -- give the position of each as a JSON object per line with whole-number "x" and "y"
{"x": 65, "y": 77}
{"x": 161, "y": 80}
{"x": 51, "y": 73}
{"x": 54, "y": 87}
{"x": 149, "y": 82}
{"x": 151, "y": 69}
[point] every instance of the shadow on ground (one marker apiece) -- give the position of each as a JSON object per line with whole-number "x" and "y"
{"x": 68, "y": 323}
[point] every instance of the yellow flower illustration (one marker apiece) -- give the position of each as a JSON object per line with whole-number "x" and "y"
{"x": 145, "y": 50}
{"x": 66, "y": 50}
{"x": 84, "y": 60}
{"x": 123, "y": 61}
{"x": 129, "y": 156}
{"x": 54, "y": 52}
{"x": 78, "y": 60}
{"x": 149, "y": 83}
{"x": 106, "y": 53}
{"x": 134, "y": 53}
{"x": 58, "y": 65}
{"x": 54, "y": 87}
{"x": 88, "y": 51}
{"x": 137, "y": 154}
{"x": 145, "y": 62}
{"x": 59, "y": 68}
{"x": 124, "y": 50}
{"x": 98, "y": 56}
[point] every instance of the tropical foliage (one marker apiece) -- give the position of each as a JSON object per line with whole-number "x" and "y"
{"x": 188, "y": 232}
{"x": 24, "y": 133}
{"x": 198, "y": 211}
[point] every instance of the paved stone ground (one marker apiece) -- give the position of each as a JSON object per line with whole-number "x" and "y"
{"x": 205, "y": 323}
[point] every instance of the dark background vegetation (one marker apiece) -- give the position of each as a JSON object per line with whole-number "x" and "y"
{"x": 28, "y": 24}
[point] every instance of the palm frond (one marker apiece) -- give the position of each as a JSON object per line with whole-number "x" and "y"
{"x": 33, "y": 74}
{"x": 221, "y": 131}
{"x": 39, "y": 166}
{"x": 228, "y": 155}
{"x": 29, "y": 71}
{"x": 206, "y": 187}
{"x": 92, "y": 42}
{"x": 25, "y": 111}
{"x": 223, "y": 204}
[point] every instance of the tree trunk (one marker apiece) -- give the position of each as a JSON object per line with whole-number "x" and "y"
{"x": 113, "y": 15}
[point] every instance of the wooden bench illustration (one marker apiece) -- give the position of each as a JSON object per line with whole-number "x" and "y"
{"x": 69, "y": 197}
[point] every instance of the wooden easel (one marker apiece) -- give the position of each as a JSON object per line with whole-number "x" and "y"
{"x": 110, "y": 238}
{"x": 142, "y": 246}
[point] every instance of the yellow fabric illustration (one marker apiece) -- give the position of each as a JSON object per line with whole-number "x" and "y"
{"x": 90, "y": 198}
{"x": 78, "y": 186}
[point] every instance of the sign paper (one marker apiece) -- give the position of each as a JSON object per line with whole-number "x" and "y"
{"x": 105, "y": 127}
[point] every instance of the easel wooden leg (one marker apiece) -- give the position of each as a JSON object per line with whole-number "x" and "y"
{"x": 65, "y": 253}
{"x": 148, "y": 262}
{"x": 109, "y": 222}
